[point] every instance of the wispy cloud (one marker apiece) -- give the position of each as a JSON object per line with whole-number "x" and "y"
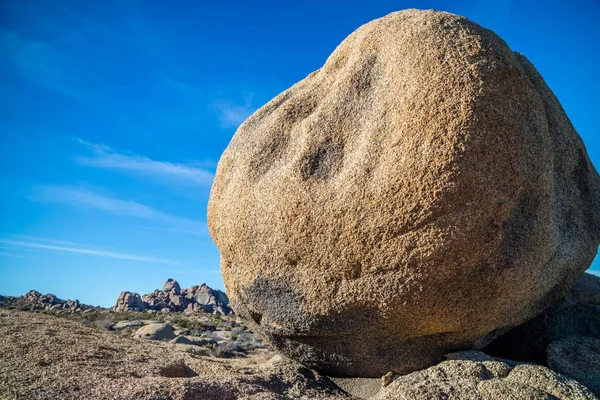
{"x": 40, "y": 239}
{"x": 107, "y": 158}
{"x": 5, "y": 254}
{"x": 87, "y": 251}
{"x": 231, "y": 115}
{"x": 81, "y": 197}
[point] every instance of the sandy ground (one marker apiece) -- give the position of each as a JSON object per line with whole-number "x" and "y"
{"x": 46, "y": 357}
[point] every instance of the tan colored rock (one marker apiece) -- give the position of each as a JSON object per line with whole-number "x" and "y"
{"x": 129, "y": 301}
{"x": 422, "y": 192}
{"x": 156, "y": 331}
{"x": 473, "y": 375}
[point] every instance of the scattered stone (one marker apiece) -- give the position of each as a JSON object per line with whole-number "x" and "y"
{"x": 85, "y": 363}
{"x": 423, "y": 191}
{"x": 157, "y": 331}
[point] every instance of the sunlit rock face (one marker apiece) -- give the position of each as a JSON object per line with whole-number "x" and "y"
{"x": 421, "y": 193}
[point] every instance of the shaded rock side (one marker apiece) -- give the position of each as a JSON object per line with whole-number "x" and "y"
{"x": 576, "y": 315}
{"x": 423, "y": 191}
{"x": 577, "y": 357}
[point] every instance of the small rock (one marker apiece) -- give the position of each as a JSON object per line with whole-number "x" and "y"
{"x": 191, "y": 340}
{"x": 127, "y": 324}
{"x": 387, "y": 379}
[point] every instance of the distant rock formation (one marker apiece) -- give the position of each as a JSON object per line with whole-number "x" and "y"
{"x": 34, "y": 300}
{"x": 128, "y": 301}
{"x": 172, "y": 299}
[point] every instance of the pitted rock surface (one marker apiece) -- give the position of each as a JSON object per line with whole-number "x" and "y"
{"x": 422, "y": 192}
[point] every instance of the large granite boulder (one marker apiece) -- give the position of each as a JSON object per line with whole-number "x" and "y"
{"x": 423, "y": 191}
{"x": 171, "y": 285}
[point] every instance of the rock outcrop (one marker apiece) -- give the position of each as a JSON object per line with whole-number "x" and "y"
{"x": 34, "y": 300}
{"x": 474, "y": 375}
{"x": 424, "y": 191}
{"x": 172, "y": 299}
{"x": 129, "y": 301}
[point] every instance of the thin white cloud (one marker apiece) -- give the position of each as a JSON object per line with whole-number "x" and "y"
{"x": 41, "y": 239}
{"x": 231, "y": 115}
{"x": 107, "y": 158}
{"x": 88, "y": 252}
{"x": 80, "y": 197}
{"x": 5, "y": 254}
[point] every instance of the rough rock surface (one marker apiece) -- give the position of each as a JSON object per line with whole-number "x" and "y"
{"x": 172, "y": 299}
{"x": 156, "y": 331}
{"x": 128, "y": 301}
{"x": 423, "y": 191}
{"x": 579, "y": 358}
{"x": 476, "y": 376}
{"x": 171, "y": 285}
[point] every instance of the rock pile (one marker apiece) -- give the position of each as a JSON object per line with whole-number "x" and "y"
{"x": 173, "y": 299}
{"x": 128, "y": 301}
{"x": 34, "y": 300}
{"x": 422, "y": 192}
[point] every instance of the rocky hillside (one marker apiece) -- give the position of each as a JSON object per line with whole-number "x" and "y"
{"x": 173, "y": 299}
{"x": 34, "y": 300}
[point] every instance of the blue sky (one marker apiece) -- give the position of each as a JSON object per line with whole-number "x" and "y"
{"x": 113, "y": 116}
